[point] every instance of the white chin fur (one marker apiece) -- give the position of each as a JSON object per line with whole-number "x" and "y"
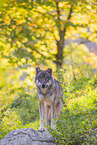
{"x": 43, "y": 90}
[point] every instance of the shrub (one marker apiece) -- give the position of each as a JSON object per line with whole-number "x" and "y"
{"x": 78, "y": 120}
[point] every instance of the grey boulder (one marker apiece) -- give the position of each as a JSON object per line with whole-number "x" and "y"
{"x": 27, "y": 136}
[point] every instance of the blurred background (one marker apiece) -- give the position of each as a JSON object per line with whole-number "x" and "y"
{"x": 62, "y": 35}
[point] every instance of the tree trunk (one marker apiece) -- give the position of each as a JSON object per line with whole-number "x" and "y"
{"x": 60, "y": 46}
{"x": 60, "y": 43}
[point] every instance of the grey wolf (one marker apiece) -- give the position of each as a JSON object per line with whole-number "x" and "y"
{"x": 49, "y": 93}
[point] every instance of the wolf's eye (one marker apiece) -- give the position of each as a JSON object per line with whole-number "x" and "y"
{"x": 47, "y": 78}
{"x": 40, "y": 77}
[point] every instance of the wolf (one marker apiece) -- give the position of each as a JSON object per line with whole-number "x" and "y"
{"x": 49, "y": 92}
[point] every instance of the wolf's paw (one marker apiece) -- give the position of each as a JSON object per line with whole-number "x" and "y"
{"x": 41, "y": 129}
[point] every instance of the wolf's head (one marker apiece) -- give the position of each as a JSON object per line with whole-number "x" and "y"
{"x": 43, "y": 78}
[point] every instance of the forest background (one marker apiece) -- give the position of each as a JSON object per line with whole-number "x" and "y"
{"x": 55, "y": 34}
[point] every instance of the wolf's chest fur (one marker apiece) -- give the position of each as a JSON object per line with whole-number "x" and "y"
{"x": 48, "y": 100}
{"x": 46, "y": 95}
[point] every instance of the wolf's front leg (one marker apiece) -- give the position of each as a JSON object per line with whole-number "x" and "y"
{"x": 41, "y": 111}
{"x": 52, "y": 116}
{"x": 46, "y": 114}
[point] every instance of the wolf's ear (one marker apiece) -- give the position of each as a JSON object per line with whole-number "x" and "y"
{"x": 37, "y": 69}
{"x": 49, "y": 70}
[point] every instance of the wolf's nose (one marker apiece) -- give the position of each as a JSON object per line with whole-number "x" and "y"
{"x": 43, "y": 86}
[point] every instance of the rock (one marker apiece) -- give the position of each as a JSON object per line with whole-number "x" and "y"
{"x": 27, "y": 136}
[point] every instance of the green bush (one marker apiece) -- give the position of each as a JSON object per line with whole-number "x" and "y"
{"x": 21, "y": 112}
{"x": 78, "y": 120}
